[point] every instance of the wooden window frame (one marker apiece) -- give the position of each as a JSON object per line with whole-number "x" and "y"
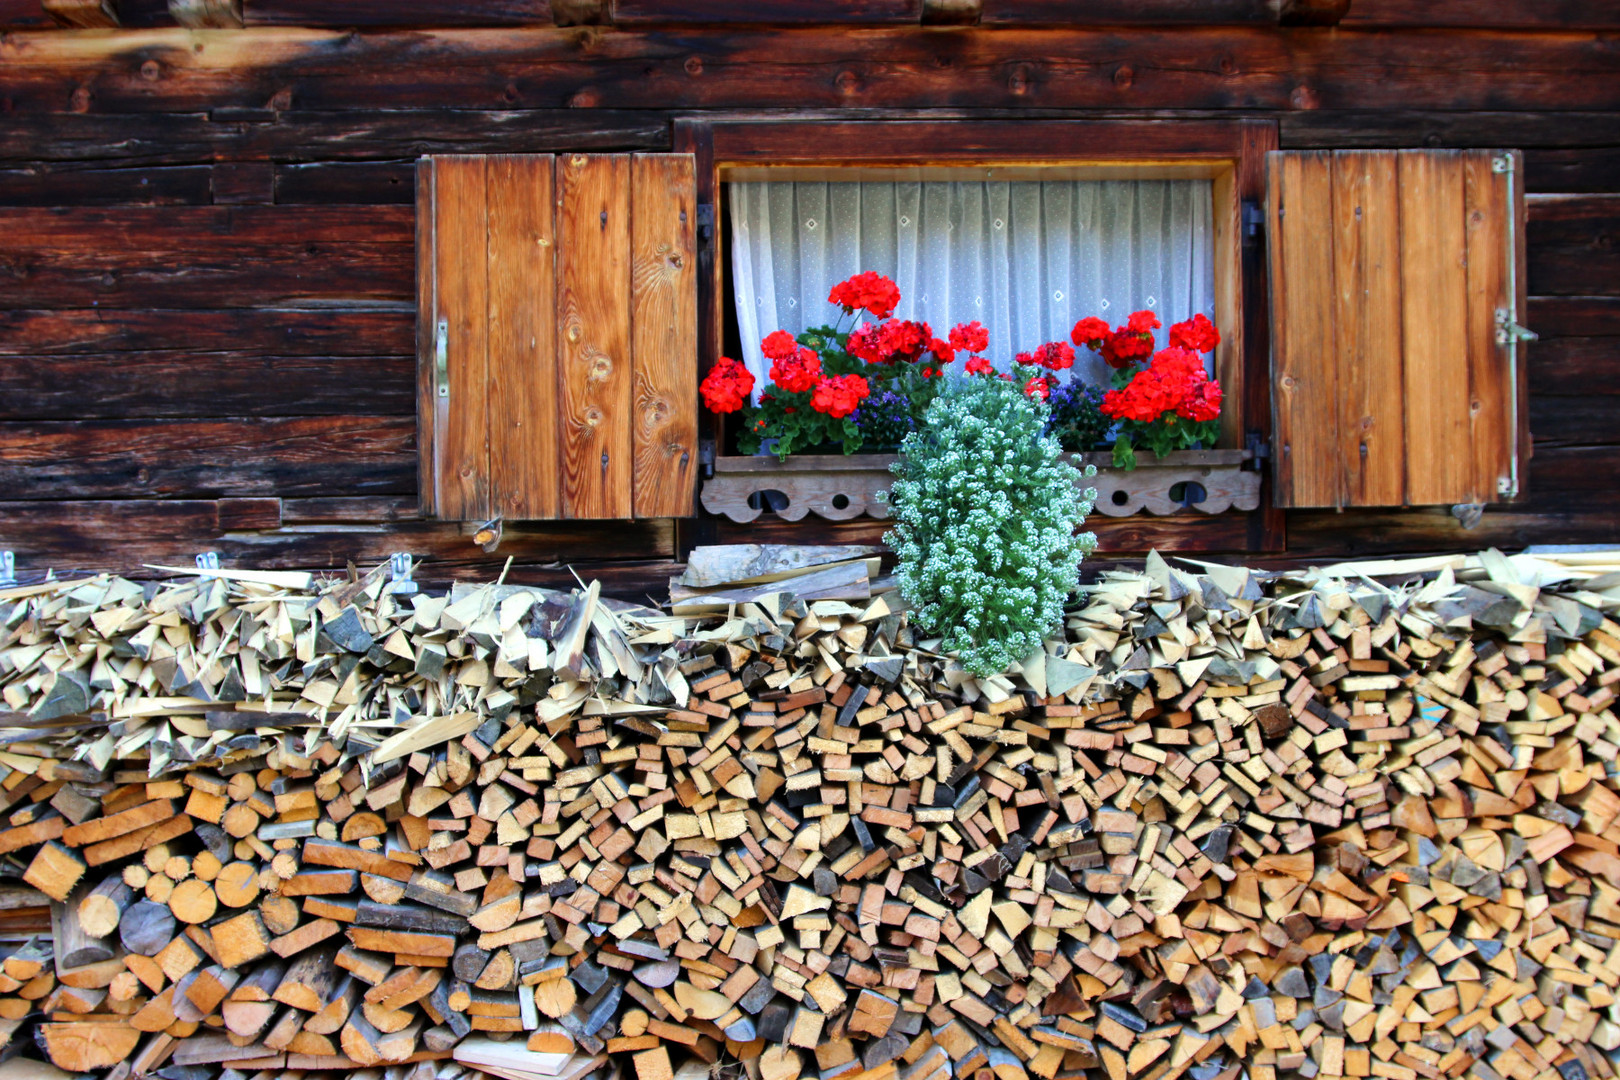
{"x": 1231, "y": 153}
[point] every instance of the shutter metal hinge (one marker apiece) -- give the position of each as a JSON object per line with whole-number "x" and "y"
{"x": 1502, "y": 163}
{"x": 705, "y": 222}
{"x": 8, "y": 568}
{"x": 1258, "y": 449}
{"x": 706, "y": 458}
{"x": 441, "y": 358}
{"x": 1468, "y": 514}
{"x": 1254, "y": 222}
{"x": 1509, "y": 332}
{"x": 207, "y": 560}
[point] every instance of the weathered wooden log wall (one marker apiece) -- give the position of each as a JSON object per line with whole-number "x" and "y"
{"x": 206, "y": 237}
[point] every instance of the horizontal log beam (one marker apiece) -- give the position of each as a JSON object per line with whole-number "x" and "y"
{"x": 1195, "y": 68}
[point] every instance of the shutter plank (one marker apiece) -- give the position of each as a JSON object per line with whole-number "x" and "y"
{"x": 524, "y": 450}
{"x": 1367, "y": 279}
{"x": 663, "y": 321}
{"x": 1490, "y": 409}
{"x": 594, "y": 334}
{"x": 1305, "y": 382}
{"x": 428, "y": 421}
{"x": 461, "y": 289}
{"x": 1434, "y": 324}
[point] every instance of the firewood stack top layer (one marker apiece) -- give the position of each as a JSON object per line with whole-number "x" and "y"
{"x": 1359, "y": 823}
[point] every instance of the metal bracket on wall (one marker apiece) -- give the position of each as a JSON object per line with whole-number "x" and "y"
{"x": 1254, "y": 222}
{"x": 1468, "y": 515}
{"x": 207, "y": 560}
{"x": 1509, "y": 332}
{"x": 8, "y": 568}
{"x": 400, "y": 568}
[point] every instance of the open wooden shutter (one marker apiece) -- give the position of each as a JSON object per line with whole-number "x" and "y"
{"x": 557, "y": 300}
{"x": 1397, "y": 283}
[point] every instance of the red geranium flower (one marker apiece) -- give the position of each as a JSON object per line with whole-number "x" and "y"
{"x": 970, "y": 337}
{"x": 778, "y": 345}
{"x": 865, "y": 343}
{"x": 1175, "y": 382}
{"x": 1038, "y": 387}
{"x": 904, "y": 340}
{"x": 726, "y": 387}
{"x": 868, "y": 290}
{"x": 1090, "y": 332}
{"x": 1197, "y": 334}
{"x": 978, "y": 365}
{"x": 840, "y": 395}
{"x": 1142, "y": 322}
{"x": 1124, "y": 348}
{"x": 942, "y": 351}
{"x": 1203, "y": 402}
{"x": 1054, "y": 355}
{"x": 797, "y": 372}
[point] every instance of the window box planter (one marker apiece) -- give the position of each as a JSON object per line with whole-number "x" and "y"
{"x": 839, "y": 487}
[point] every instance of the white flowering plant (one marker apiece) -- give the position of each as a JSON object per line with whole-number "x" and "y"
{"x": 987, "y": 518}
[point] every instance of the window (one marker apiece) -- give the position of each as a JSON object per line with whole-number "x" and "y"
{"x": 1027, "y": 257}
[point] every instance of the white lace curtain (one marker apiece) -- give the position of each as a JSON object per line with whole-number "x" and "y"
{"x": 1027, "y": 260}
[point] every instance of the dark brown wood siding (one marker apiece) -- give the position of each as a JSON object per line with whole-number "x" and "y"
{"x": 208, "y": 258}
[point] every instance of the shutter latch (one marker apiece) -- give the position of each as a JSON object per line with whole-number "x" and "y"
{"x": 1508, "y": 331}
{"x": 706, "y": 458}
{"x": 1254, "y": 222}
{"x": 1257, "y": 448}
{"x": 441, "y": 358}
{"x": 1502, "y": 163}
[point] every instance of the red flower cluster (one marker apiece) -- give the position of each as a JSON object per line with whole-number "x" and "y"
{"x": 892, "y": 342}
{"x": 970, "y": 337}
{"x": 1197, "y": 334}
{"x": 727, "y": 386}
{"x": 869, "y": 290}
{"x": 1090, "y": 332}
{"x": 1122, "y": 346}
{"x": 840, "y": 395}
{"x": 778, "y": 345}
{"x": 798, "y": 371}
{"x": 978, "y": 365}
{"x": 1039, "y": 387}
{"x": 1175, "y": 382}
{"x": 1054, "y": 356}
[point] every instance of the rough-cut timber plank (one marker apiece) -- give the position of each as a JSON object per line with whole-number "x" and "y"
{"x": 1582, "y": 418}
{"x": 197, "y": 385}
{"x": 1305, "y": 385}
{"x": 124, "y": 536}
{"x": 455, "y": 465}
{"x": 1366, "y": 254}
{"x": 524, "y": 453}
{"x": 593, "y": 334}
{"x": 1575, "y": 316}
{"x": 1506, "y": 14}
{"x": 371, "y": 13}
{"x": 109, "y": 459}
{"x": 1574, "y": 366}
{"x": 781, "y": 12}
{"x": 1487, "y": 227}
{"x": 1434, "y": 328}
{"x": 336, "y": 332}
{"x": 23, "y": 14}
{"x": 339, "y": 135}
{"x": 1574, "y": 244}
{"x": 831, "y": 68}
{"x": 1409, "y": 126}
{"x": 1130, "y": 12}
{"x": 210, "y": 257}
{"x": 43, "y": 185}
{"x": 366, "y": 182}
{"x": 663, "y": 326}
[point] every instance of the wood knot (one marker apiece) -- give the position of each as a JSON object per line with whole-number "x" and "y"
{"x": 1018, "y": 81}
{"x": 577, "y": 161}
{"x": 847, "y": 83}
{"x": 593, "y": 417}
{"x": 151, "y": 71}
{"x": 1303, "y": 97}
{"x": 694, "y": 65}
{"x": 1124, "y": 76}
{"x": 601, "y": 368}
{"x": 574, "y": 333}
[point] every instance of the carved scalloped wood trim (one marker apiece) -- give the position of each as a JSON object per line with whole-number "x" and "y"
{"x": 840, "y": 488}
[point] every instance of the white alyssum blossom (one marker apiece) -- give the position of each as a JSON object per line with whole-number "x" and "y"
{"x": 987, "y": 517}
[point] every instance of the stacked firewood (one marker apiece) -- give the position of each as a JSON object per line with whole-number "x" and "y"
{"x": 1308, "y": 825}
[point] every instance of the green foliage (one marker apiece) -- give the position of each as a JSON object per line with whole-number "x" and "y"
{"x": 986, "y": 517}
